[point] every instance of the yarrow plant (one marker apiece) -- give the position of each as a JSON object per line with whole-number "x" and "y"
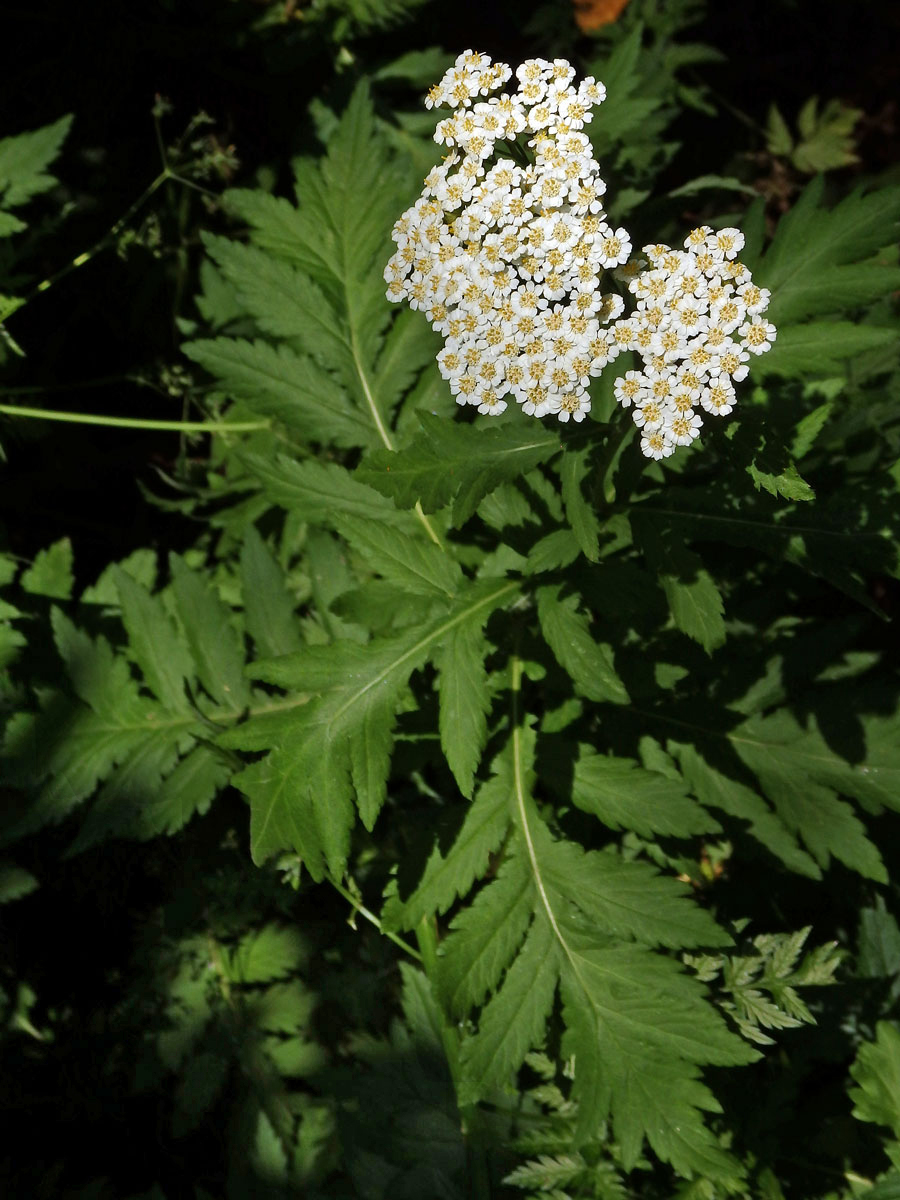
{"x": 507, "y": 260}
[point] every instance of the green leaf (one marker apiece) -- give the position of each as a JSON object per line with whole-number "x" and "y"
{"x": 551, "y": 552}
{"x": 639, "y": 1030}
{"x": 625, "y": 796}
{"x": 276, "y": 382}
{"x": 589, "y": 663}
{"x": 876, "y": 1072}
{"x": 321, "y": 491}
{"x": 814, "y": 250}
{"x": 24, "y": 159}
{"x": 272, "y": 952}
{"x": 187, "y": 791}
{"x": 15, "y": 882}
{"x": 281, "y": 229}
{"x": 340, "y": 744}
{"x": 719, "y": 791}
{"x": 574, "y": 469}
{"x": 484, "y": 937}
{"x": 778, "y": 136}
{"x": 282, "y": 301}
{"x": 447, "y": 878}
{"x": 703, "y": 183}
{"x": 819, "y": 347}
{"x": 637, "y": 1027}
{"x": 694, "y": 600}
{"x": 624, "y": 899}
{"x": 416, "y": 565}
{"x": 449, "y": 460}
{"x": 10, "y": 225}
{"x": 513, "y": 1021}
{"x": 211, "y": 636}
{"x": 788, "y": 483}
{"x": 51, "y": 572}
{"x": 464, "y": 699}
{"x": 878, "y": 956}
{"x": 155, "y": 644}
{"x": 785, "y": 758}
{"x": 268, "y": 609}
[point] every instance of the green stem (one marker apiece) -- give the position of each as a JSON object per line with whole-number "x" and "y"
{"x": 479, "y": 1175}
{"x": 620, "y": 432}
{"x": 165, "y": 176}
{"x": 49, "y": 414}
{"x": 373, "y": 920}
{"x": 426, "y": 936}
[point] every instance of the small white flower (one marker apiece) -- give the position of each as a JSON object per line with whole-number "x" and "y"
{"x": 631, "y": 388}
{"x": 682, "y": 427}
{"x": 719, "y": 397}
{"x": 654, "y": 444}
{"x": 757, "y": 336}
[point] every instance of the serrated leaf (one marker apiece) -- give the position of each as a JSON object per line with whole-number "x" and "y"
{"x": 155, "y": 644}
{"x": 51, "y": 572}
{"x": 282, "y": 301}
{"x": 213, "y": 641}
{"x": 819, "y": 347}
{"x": 512, "y": 1022}
{"x": 282, "y": 1007}
{"x": 876, "y": 1072}
{"x": 811, "y": 249}
{"x": 551, "y": 552}
{"x": 778, "y": 136}
{"x": 809, "y": 428}
{"x": 133, "y": 784}
{"x": 589, "y": 663}
{"x": 878, "y": 954}
{"x": 789, "y": 483}
{"x": 703, "y": 183}
{"x": 694, "y": 600}
{"x": 464, "y": 699}
{"x": 340, "y": 743}
{"x": 729, "y": 796}
{"x": 281, "y": 228}
{"x": 484, "y": 938}
{"x": 319, "y": 491}
{"x": 773, "y": 747}
{"x": 10, "y": 225}
{"x": 574, "y": 469}
{"x": 625, "y": 899}
{"x": 186, "y": 791}
{"x": 272, "y": 952}
{"x": 416, "y": 565}
{"x": 276, "y": 382}
{"x": 446, "y": 878}
{"x": 24, "y": 159}
{"x": 459, "y": 462}
{"x": 268, "y": 609}
{"x": 625, "y": 796}
{"x": 297, "y": 1056}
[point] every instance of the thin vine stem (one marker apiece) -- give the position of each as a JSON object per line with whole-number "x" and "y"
{"x": 369, "y": 916}
{"x": 50, "y": 414}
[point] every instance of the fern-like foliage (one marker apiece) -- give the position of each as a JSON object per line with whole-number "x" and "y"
{"x": 760, "y": 988}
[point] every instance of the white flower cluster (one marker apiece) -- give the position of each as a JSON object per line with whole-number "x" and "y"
{"x": 690, "y": 303}
{"x": 505, "y": 257}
